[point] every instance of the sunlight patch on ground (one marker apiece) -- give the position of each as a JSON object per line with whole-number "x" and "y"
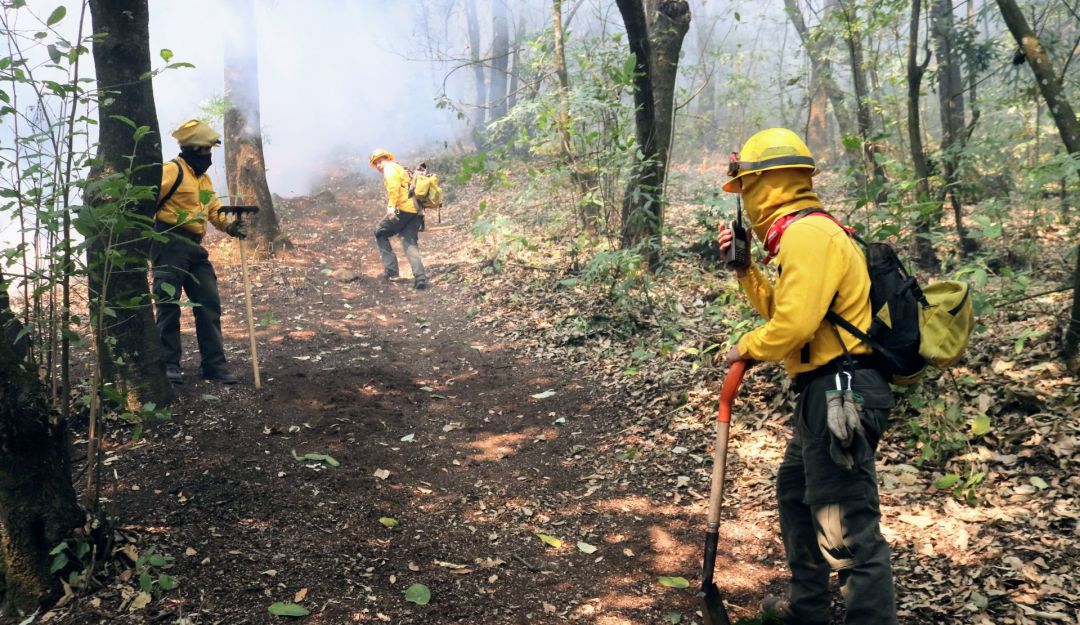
{"x": 495, "y": 447}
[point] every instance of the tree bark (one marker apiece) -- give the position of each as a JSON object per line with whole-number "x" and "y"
{"x": 479, "y": 120}
{"x": 817, "y": 48}
{"x": 38, "y": 507}
{"x": 1069, "y": 129}
{"x": 951, "y": 105}
{"x": 925, "y": 255}
{"x": 500, "y": 59}
{"x": 656, "y": 55}
{"x": 245, "y": 164}
{"x": 129, "y": 346}
{"x": 863, "y": 115}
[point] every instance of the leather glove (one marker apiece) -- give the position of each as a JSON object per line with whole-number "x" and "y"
{"x": 391, "y": 212}
{"x": 237, "y": 229}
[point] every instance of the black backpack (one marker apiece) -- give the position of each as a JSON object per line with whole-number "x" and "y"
{"x": 895, "y": 301}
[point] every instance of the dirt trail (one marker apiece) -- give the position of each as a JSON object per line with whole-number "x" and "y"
{"x": 385, "y": 378}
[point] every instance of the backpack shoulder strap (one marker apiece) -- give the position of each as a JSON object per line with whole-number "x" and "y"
{"x": 176, "y": 185}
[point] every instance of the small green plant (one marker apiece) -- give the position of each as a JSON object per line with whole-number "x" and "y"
{"x": 70, "y": 559}
{"x": 150, "y": 571}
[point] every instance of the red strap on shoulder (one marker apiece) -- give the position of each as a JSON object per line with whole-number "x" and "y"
{"x": 776, "y": 231}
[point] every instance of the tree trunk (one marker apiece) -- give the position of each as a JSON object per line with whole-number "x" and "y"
{"x": 479, "y": 121}
{"x": 818, "y": 48}
{"x": 245, "y": 165}
{"x": 130, "y": 345}
{"x": 38, "y": 508}
{"x": 925, "y": 255}
{"x": 654, "y": 84}
{"x": 515, "y": 71}
{"x": 500, "y": 59}
{"x": 863, "y": 115}
{"x": 1069, "y": 129}
{"x": 951, "y": 105}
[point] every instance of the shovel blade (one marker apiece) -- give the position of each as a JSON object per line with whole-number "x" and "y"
{"x": 712, "y": 606}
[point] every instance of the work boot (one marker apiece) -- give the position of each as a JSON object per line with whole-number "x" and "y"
{"x": 778, "y": 610}
{"x": 421, "y": 285}
{"x": 220, "y": 375}
{"x": 174, "y": 373}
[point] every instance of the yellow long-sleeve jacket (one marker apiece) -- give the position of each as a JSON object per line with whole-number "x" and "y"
{"x": 397, "y": 187}
{"x": 819, "y": 266}
{"x": 193, "y": 204}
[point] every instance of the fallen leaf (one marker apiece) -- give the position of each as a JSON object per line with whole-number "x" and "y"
{"x": 287, "y": 609}
{"x": 586, "y": 547}
{"x": 382, "y": 474}
{"x": 551, "y": 540}
{"x": 300, "y": 595}
{"x": 388, "y": 521}
{"x": 674, "y": 582}
{"x": 140, "y": 601}
{"x": 543, "y": 395}
{"x": 418, "y": 594}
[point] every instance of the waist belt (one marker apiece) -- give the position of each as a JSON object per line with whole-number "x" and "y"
{"x": 180, "y": 231}
{"x": 861, "y": 361}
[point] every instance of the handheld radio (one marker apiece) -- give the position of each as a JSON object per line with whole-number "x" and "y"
{"x": 737, "y": 255}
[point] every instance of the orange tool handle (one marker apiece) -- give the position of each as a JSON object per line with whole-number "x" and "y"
{"x": 730, "y": 390}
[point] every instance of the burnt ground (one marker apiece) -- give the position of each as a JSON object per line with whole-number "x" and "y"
{"x": 434, "y": 425}
{"x": 471, "y": 418}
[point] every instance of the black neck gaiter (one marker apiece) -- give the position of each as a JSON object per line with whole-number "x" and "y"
{"x": 199, "y": 163}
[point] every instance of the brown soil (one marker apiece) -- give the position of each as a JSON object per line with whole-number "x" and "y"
{"x": 385, "y": 378}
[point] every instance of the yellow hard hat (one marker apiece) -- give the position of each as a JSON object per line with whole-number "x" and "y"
{"x": 379, "y": 155}
{"x": 196, "y": 134}
{"x": 774, "y": 148}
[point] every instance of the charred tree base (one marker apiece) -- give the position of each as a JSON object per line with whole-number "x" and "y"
{"x": 38, "y": 507}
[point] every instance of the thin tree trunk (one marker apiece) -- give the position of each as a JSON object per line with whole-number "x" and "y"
{"x": 863, "y": 115}
{"x": 129, "y": 345}
{"x": 1069, "y": 129}
{"x": 817, "y": 48}
{"x": 657, "y": 55}
{"x": 925, "y": 255}
{"x": 245, "y": 164}
{"x": 38, "y": 507}
{"x": 500, "y": 59}
{"x": 479, "y": 121}
{"x": 951, "y": 105}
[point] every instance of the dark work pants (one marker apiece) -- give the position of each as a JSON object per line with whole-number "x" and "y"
{"x": 184, "y": 264}
{"x": 830, "y": 517}
{"x": 406, "y": 226}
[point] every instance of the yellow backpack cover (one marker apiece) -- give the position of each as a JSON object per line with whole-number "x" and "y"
{"x": 946, "y": 324}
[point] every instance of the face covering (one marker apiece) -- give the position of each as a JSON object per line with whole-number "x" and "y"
{"x": 775, "y": 193}
{"x": 199, "y": 163}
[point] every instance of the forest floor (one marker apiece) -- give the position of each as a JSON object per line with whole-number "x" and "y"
{"x": 451, "y": 419}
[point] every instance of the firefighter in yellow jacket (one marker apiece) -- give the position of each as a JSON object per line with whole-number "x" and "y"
{"x": 828, "y": 501}
{"x": 186, "y": 203}
{"x": 402, "y": 219}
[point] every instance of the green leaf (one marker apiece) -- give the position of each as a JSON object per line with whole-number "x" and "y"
{"x": 586, "y": 547}
{"x": 674, "y": 582}
{"x": 57, "y": 15}
{"x": 1038, "y": 482}
{"x": 673, "y": 617}
{"x": 146, "y": 583}
{"x": 166, "y": 582}
{"x": 59, "y": 562}
{"x": 628, "y": 454}
{"x": 54, "y": 54}
{"x": 156, "y": 560}
{"x": 946, "y": 481}
{"x": 166, "y": 54}
{"x": 551, "y": 540}
{"x": 388, "y": 521}
{"x": 328, "y": 459}
{"x": 980, "y": 425}
{"x": 126, "y": 120}
{"x": 287, "y": 609}
{"x": 57, "y": 550}
{"x": 418, "y": 594}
